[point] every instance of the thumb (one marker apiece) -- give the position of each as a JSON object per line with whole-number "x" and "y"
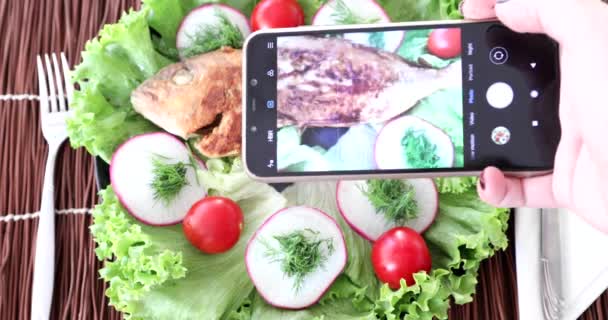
{"x": 560, "y": 19}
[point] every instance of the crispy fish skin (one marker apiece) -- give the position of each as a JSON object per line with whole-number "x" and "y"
{"x": 198, "y": 96}
{"x": 332, "y": 82}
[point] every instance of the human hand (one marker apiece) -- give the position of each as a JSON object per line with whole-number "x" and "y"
{"x": 579, "y": 181}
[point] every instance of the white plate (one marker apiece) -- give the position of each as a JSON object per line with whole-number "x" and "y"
{"x": 584, "y": 270}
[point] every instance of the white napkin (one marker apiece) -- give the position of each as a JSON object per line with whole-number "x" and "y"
{"x": 584, "y": 257}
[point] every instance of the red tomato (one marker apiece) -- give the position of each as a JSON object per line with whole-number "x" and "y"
{"x": 398, "y": 254}
{"x": 213, "y": 224}
{"x": 445, "y": 43}
{"x": 277, "y": 14}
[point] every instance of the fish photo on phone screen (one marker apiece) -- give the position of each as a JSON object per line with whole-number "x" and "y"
{"x": 373, "y": 100}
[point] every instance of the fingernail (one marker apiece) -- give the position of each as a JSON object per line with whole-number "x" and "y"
{"x": 460, "y": 8}
{"x": 501, "y": 1}
{"x": 482, "y": 182}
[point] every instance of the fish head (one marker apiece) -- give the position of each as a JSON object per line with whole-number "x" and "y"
{"x": 174, "y": 80}
{"x": 200, "y": 96}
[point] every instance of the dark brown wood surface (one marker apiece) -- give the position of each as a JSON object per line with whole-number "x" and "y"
{"x": 30, "y": 27}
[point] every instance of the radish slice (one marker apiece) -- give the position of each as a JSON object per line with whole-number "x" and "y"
{"x": 368, "y": 10}
{"x": 390, "y": 154}
{"x": 392, "y": 39}
{"x": 207, "y": 16}
{"x": 131, "y": 175}
{"x": 363, "y": 217}
{"x": 265, "y": 261}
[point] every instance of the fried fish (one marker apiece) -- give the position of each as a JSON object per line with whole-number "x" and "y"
{"x": 200, "y": 96}
{"x": 332, "y": 82}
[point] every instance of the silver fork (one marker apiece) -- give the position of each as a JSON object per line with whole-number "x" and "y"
{"x": 53, "y": 112}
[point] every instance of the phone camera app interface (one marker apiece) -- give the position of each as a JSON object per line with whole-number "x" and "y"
{"x": 388, "y": 100}
{"x": 401, "y": 99}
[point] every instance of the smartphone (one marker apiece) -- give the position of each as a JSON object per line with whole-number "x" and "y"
{"x": 400, "y": 100}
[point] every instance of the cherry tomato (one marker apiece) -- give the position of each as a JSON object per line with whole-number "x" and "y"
{"x": 445, "y": 43}
{"x": 213, "y": 224}
{"x": 398, "y": 254}
{"x": 277, "y": 14}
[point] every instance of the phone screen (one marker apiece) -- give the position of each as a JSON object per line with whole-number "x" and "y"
{"x": 400, "y": 99}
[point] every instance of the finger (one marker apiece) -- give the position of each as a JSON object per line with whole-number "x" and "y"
{"x": 509, "y": 192}
{"x": 477, "y": 9}
{"x": 549, "y": 16}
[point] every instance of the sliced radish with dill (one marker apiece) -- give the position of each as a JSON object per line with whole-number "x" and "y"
{"x": 210, "y": 27}
{"x": 336, "y": 12}
{"x": 409, "y": 142}
{"x": 295, "y": 256}
{"x": 154, "y": 177}
{"x": 373, "y": 207}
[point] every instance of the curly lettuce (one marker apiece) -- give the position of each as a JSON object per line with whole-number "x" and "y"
{"x": 134, "y": 262}
{"x": 465, "y": 232}
{"x": 154, "y": 272}
{"x": 455, "y": 184}
{"x": 112, "y": 66}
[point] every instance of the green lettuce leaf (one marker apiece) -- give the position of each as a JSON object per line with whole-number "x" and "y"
{"x": 417, "y": 10}
{"x": 343, "y": 301}
{"x": 112, "y": 66}
{"x": 157, "y": 274}
{"x": 354, "y": 150}
{"x": 455, "y": 184}
{"x": 244, "y": 311}
{"x": 310, "y": 7}
{"x": 428, "y": 298}
{"x": 465, "y": 232}
{"x": 294, "y": 156}
{"x": 121, "y": 58}
{"x": 134, "y": 262}
{"x": 100, "y": 126}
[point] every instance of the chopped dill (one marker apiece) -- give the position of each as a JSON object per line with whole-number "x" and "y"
{"x": 393, "y": 198}
{"x": 169, "y": 179}
{"x": 214, "y": 36}
{"x": 300, "y": 253}
{"x": 419, "y": 151}
{"x": 344, "y": 15}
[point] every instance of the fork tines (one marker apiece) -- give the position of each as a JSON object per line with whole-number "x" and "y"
{"x": 59, "y": 83}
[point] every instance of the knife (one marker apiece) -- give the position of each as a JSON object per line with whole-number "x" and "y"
{"x": 551, "y": 264}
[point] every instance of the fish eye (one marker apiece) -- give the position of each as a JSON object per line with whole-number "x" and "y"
{"x": 182, "y": 77}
